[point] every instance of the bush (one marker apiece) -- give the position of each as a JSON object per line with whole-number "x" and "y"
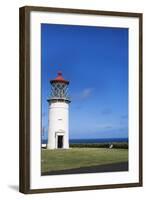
{"x": 116, "y": 145}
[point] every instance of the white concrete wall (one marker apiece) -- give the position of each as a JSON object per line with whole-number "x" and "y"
{"x": 58, "y": 124}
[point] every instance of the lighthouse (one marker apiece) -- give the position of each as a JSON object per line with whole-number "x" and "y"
{"x": 58, "y": 130}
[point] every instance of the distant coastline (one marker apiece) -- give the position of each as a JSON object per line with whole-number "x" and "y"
{"x": 95, "y": 140}
{"x": 98, "y": 140}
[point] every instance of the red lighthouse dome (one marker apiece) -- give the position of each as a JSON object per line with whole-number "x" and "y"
{"x": 60, "y": 79}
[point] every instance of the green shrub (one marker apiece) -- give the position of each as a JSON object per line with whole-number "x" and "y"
{"x": 117, "y": 145}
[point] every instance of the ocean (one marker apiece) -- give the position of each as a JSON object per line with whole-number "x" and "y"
{"x": 92, "y": 141}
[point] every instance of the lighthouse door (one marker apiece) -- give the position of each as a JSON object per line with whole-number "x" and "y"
{"x": 60, "y": 141}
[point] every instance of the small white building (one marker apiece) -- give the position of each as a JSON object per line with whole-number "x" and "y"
{"x": 58, "y": 131}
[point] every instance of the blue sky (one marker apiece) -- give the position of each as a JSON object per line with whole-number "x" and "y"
{"x": 95, "y": 61}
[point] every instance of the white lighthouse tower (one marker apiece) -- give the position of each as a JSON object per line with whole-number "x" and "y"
{"x": 58, "y": 131}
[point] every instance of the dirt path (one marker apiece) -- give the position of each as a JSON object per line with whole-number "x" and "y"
{"x": 116, "y": 167}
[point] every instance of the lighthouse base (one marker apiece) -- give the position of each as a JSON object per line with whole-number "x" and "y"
{"x": 60, "y": 142}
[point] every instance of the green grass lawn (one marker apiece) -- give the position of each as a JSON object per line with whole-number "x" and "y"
{"x": 60, "y": 159}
